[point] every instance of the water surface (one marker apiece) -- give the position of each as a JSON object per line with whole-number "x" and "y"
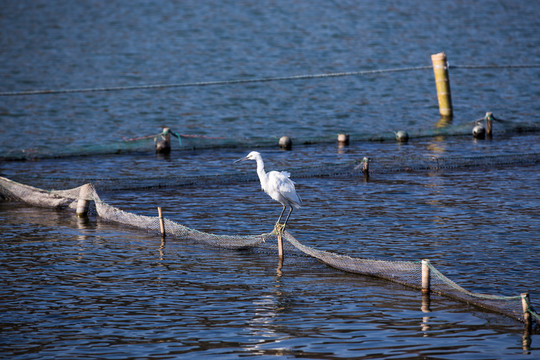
{"x": 93, "y": 289}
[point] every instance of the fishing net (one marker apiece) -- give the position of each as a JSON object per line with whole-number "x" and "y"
{"x": 191, "y": 141}
{"x": 70, "y": 199}
{"x": 407, "y": 273}
{"x": 344, "y": 168}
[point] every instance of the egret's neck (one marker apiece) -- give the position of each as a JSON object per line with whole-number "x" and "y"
{"x": 261, "y": 172}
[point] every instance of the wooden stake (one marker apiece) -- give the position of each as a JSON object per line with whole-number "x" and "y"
{"x": 426, "y": 286}
{"x": 163, "y": 143}
{"x": 280, "y": 244}
{"x": 82, "y": 204}
{"x": 442, "y": 82}
{"x": 365, "y": 165}
{"x": 527, "y": 329}
{"x": 343, "y": 139}
{"x": 426, "y": 302}
{"x": 161, "y": 223}
{"x": 527, "y": 318}
{"x": 489, "y": 124}
{"x": 365, "y": 168}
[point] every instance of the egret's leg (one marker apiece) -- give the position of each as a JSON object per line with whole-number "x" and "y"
{"x": 282, "y": 211}
{"x": 280, "y": 227}
{"x": 287, "y": 219}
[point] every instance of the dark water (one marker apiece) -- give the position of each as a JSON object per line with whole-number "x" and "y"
{"x": 91, "y": 289}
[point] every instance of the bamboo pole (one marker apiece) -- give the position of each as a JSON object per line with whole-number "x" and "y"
{"x": 161, "y": 222}
{"x": 83, "y": 202}
{"x": 442, "y": 82}
{"x": 426, "y": 286}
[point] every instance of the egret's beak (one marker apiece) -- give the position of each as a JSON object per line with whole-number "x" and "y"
{"x": 242, "y": 159}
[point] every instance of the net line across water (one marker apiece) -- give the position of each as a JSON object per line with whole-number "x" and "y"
{"x": 351, "y": 168}
{"x": 191, "y": 141}
{"x": 407, "y": 273}
{"x": 261, "y": 79}
{"x": 197, "y": 142}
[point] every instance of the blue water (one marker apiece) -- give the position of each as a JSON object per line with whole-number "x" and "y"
{"x": 52, "y": 45}
{"x": 72, "y": 288}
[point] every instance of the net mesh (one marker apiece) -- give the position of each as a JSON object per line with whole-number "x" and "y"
{"x": 377, "y": 165}
{"x": 408, "y": 273}
{"x": 190, "y": 141}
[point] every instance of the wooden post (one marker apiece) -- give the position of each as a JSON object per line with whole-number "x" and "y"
{"x": 83, "y": 202}
{"x": 426, "y": 296}
{"x": 442, "y": 82}
{"x": 365, "y": 165}
{"x": 426, "y": 302}
{"x": 426, "y": 286}
{"x": 343, "y": 139}
{"x": 280, "y": 244}
{"x": 527, "y": 318}
{"x": 365, "y": 168}
{"x": 163, "y": 142}
{"x": 161, "y": 223}
{"x": 527, "y": 329}
{"x": 489, "y": 124}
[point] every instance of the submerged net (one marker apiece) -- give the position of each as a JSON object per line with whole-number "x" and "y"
{"x": 191, "y": 141}
{"x": 408, "y": 273}
{"x": 350, "y": 168}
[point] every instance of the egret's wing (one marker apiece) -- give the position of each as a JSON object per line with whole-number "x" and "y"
{"x": 284, "y": 186}
{"x": 284, "y": 173}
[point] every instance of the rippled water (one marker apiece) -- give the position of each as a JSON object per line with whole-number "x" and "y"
{"x": 93, "y": 289}
{"x": 54, "y": 45}
{"x": 72, "y": 288}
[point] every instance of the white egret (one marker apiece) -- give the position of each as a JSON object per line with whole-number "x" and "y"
{"x": 277, "y": 185}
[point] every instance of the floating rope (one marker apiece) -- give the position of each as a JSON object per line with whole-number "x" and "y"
{"x": 524, "y": 66}
{"x": 179, "y": 136}
{"x": 209, "y": 83}
{"x": 461, "y": 289}
{"x": 258, "y": 80}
